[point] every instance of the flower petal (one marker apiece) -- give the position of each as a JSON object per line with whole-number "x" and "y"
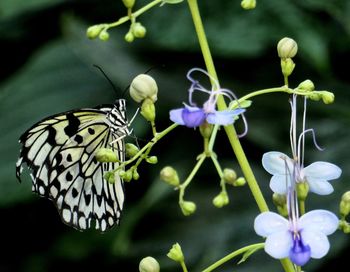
{"x": 319, "y": 186}
{"x": 193, "y": 117}
{"x": 274, "y": 162}
{"x": 319, "y": 220}
{"x": 279, "y": 244}
{"x": 268, "y": 223}
{"x": 176, "y": 116}
{"x": 278, "y": 184}
{"x": 225, "y": 117}
{"x": 317, "y": 241}
{"x": 322, "y": 170}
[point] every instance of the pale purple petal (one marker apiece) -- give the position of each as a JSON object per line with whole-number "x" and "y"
{"x": 300, "y": 253}
{"x": 274, "y": 162}
{"x": 268, "y": 223}
{"x": 193, "y": 117}
{"x": 279, "y": 244}
{"x": 176, "y": 116}
{"x": 223, "y": 118}
{"x": 278, "y": 184}
{"x": 319, "y": 186}
{"x": 322, "y": 170}
{"x": 319, "y": 221}
{"x": 317, "y": 241}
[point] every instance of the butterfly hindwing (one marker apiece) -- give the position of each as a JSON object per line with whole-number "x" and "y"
{"x": 60, "y": 151}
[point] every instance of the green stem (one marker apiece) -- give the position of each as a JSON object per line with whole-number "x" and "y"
{"x": 184, "y": 268}
{"x": 302, "y": 207}
{"x": 230, "y": 130}
{"x": 283, "y": 89}
{"x": 232, "y": 255}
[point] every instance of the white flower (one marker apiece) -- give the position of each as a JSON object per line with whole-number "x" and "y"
{"x": 317, "y": 174}
{"x": 299, "y": 239}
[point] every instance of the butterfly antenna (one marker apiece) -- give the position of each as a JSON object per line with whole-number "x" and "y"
{"x": 105, "y": 75}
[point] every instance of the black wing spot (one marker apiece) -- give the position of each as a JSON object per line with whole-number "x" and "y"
{"x": 75, "y": 192}
{"x": 69, "y": 176}
{"x": 91, "y": 131}
{"x": 78, "y": 139}
{"x": 52, "y": 135}
{"x": 73, "y": 125}
{"x": 69, "y": 158}
{"x": 59, "y": 158}
{"x": 87, "y": 199}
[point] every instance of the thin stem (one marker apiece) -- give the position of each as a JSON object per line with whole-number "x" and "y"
{"x": 184, "y": 268}
{"x": 232, "y": 255}
{"x": 302, "y": 207}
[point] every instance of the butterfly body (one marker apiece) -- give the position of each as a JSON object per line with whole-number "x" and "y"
{"x": 60, "y": 150}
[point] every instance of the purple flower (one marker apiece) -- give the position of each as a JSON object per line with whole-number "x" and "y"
{"x": 192, "y": 116}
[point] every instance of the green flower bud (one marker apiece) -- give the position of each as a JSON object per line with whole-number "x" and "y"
{"x": 188, "y": 207}
{"x": 110, "y": 177}
{"x": 239, "y": 182}
{"x": 221, "y": 200}
{"x": 344, "y": 205}
{"x": 143, "y": 86}
{"x": 135, "y": 175}
{"x": 176, "y": 254}
{"x": 93, "y": 31}
{"x": 169, "y": 175}
{"x": 138, "y": 30}
{"x": 106, "y": 155}
{"x": 229, "y": 176}
{"x": 149, "y": 264}
{"x": 287, "y": 66}
{"x": 128, "y": 3}
{"x": 131, "y": 150}
{"x": 248, "y": 4}
{"x": 302, "y": 190}
{"x": 287, "y": 48}
{"x": 327, "y": 97}
{"x": 307, "y": 86}
{"x": 148, "y": 111}
{"x": 346, "y": 228}
{"x": 206, "y": 130}
{"x": 280, "y": 201}
{"x": 129, "y": 37}
{"x": 152, "y": 159}
{"x": 315, "y": 96}
{"x": 128, "y": 175}
{"x": 104, "y": 36}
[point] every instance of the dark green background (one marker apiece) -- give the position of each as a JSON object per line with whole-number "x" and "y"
{"x": 46, "y": 68}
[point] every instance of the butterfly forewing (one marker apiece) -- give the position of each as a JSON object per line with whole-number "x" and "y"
{"x": 60, "y": 151}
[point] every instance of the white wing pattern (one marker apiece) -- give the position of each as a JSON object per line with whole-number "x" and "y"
{"x": 60, "y": 151}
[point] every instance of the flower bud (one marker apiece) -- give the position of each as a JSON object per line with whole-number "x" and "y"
{"x": 138, "y": 30}
{"x": 104, "y": 36}
{"x": 221, "y": 200}
{"x": 302, "y": 190}
{"x": 152, "y": 159}
{"x": 344, "y": 206}
{"x": 143, "y": 86}
{"x": 315, "y": 96}
{"x": 280, "y": 201}
{"x": 149, "y": 264}
{"x": 239, "y": 182}
{"x": 248, "y": 4}
{"x": 287, "y": 66}
{"x": 287, "y": 48}
{"x": 106, "y": 155}
{"x": 169, "y": 175}
{"x": 129, "y": 37}
{"x": 110, "y": 177}
{"x": 188, "y": 207}
{"x": 327, "y": 97}
{"x": 128, "y": 3}
{"x": 135, "y": 175}
{"x": 206, "y": 129}
{"x": 229, "y": 176}
{"x": 131, "y": 150}
{"x": 127, "y": 175}
{"x": 148, "y": 111}
{"x": 307, "y": 86}
{"x": 176, "y": 254}
{"x": 93, "y": 31}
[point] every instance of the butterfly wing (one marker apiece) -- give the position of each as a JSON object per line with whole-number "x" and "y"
{"x": 60, "y": 151}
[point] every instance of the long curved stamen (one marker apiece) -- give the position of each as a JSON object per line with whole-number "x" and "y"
{"x": 302, "y": 136}
{"x": 245, "y": 127}
{"x": 292, "y": 131}
{"x": 214, "y": 82}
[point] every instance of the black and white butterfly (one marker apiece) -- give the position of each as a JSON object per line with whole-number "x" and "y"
{"x": 60, "y": 150}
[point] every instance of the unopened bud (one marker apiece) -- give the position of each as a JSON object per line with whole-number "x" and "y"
{"x": 229, "y": 176}
{"x": 239, "y": 182}
{"x": 188, "y": 207}
{"x": 221, "y": 200}
{"x": 287, "y": 48}
{"x": 106, "y": 155}
{"x": 280, "y": 201}
{"x": 175, "y": 253}
{"x": 104, "y": 36}
{"x": 139, "y": 30}
{"x": 135, "y": 175}
{"x": 315, "y": 96}
{"x": 128, "y": 3}
{"x": 248, "y": 4}
{"x": 169, "y": 175}
{"x": 110, "y": 177}
{"x": 149, "y": 264}
{"x": 126, "y": 176}
{"x": 327, "y": 97}
{"x": 344, "y": 206}
{"x": 206, "y": 129}
{"x": 93, "y": 31}
{"x": 302, "y": 190}
{"x": 152, "y": 159}
{"x": 131, "y": 150}
{"x": 129, "y": 37}
{"x": 307, "y": 86}
{"x": 287, "y": 66}
{"x": 143, "y": 86}
{"x": 148, "y": 110}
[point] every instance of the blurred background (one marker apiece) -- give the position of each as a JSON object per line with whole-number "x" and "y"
{"x": 46, "y": 68}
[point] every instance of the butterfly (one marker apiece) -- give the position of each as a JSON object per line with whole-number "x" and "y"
{"x": 60, "y": 151}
